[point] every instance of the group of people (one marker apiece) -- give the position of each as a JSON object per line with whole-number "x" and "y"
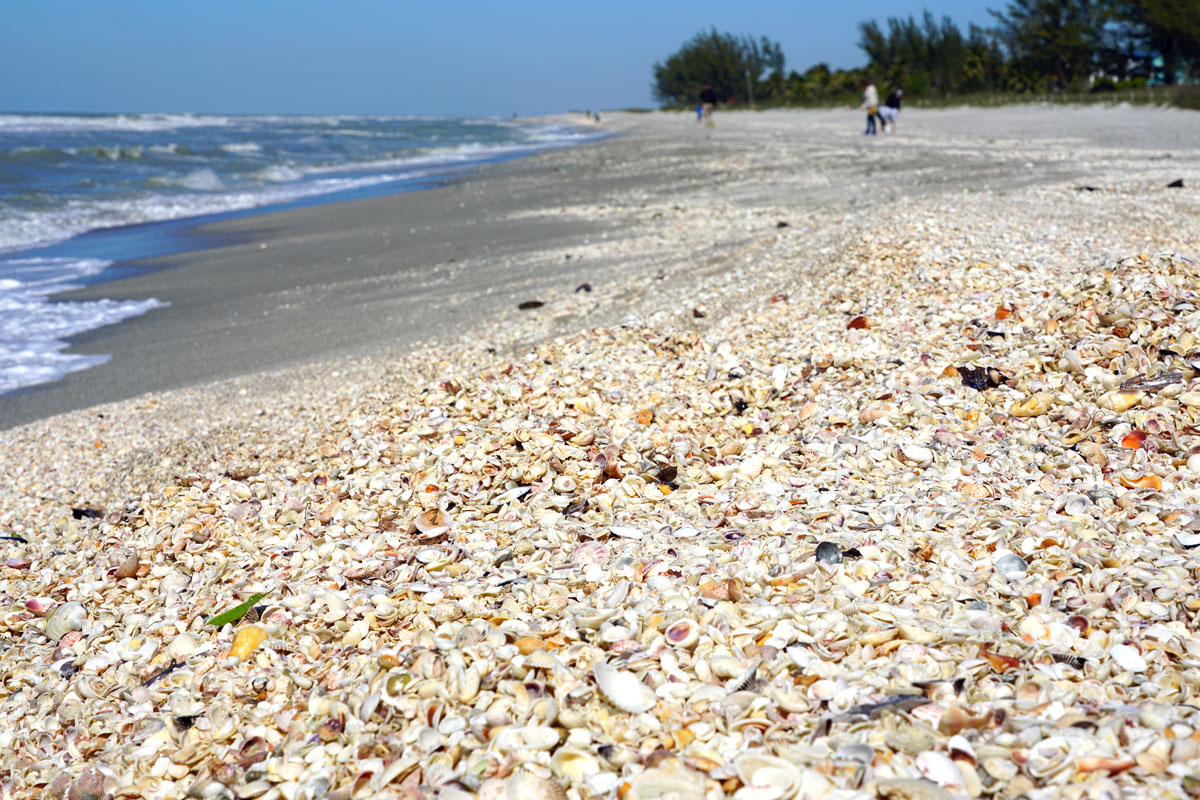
{"x": 886, "y": 114}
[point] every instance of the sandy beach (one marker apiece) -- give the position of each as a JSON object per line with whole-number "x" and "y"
{"x": 866, "y": 463}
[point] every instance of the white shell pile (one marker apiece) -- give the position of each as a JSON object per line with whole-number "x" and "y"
{"x": 924, "y": 529}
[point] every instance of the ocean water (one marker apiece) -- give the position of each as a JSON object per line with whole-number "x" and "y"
{"x": 62, "y": 176}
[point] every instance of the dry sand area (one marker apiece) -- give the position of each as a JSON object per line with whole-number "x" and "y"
{"x": 867, "y": 468}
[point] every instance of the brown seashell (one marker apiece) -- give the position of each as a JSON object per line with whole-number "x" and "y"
{"x": 432, "y": 522}
{"x": 126, "y": 562}
{"x": 858, "y": 322}
{"x": 1000, "y": 663}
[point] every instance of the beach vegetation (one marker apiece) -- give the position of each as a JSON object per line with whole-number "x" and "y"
{"x": 731, "y": 65}
{"x": 1068, "y": 50}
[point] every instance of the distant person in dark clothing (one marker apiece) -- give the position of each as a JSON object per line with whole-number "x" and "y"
{"x": 708, "y": 99}
{"x": 891, "y": 110}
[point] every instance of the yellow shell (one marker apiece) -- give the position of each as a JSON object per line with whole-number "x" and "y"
{"x": 246, "y": 641}
{"x": 1032, "y": 407}
{"x": 1119, "y": 401}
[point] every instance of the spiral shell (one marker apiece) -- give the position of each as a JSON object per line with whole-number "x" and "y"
{"x": 246, "y": 641}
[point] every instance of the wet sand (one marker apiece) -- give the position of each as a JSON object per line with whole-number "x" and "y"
{"x": 379, "y": 276}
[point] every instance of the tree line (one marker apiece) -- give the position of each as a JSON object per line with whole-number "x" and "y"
{"x": 1033, "y": 46}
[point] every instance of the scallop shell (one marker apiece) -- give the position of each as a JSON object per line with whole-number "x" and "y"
{"x": 542, "y": 659}
{"x": 64, "y": 619}
{"x": 623, "y": 689}
{"x": 524, "y": 785}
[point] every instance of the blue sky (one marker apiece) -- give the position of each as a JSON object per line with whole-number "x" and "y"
{"x": 451, "y": 57}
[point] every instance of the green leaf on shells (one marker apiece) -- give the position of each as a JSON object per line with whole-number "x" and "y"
{"x": 237, "y": 612}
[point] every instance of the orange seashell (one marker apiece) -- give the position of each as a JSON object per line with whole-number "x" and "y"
{"x": 1133, "y": 440}
{"x": 1003, "y": 313}
{"x": 645, "y": 416}
{"x": 1052, "y": 326}
{"x": 974, "y": 490}
{"x": 999, "y": 663}
{"x": 858, "y": 322}
{"x": 246, "y": 641}
{"x": 949, "y": 372}
{"x": 527, "y": 644}
{"x": 1144, "y": 482}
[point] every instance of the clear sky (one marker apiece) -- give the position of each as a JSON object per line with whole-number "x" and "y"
{"x": 443, "y": 57}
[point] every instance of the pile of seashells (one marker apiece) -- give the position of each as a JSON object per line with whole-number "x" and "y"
{"x": 926, "y": 533}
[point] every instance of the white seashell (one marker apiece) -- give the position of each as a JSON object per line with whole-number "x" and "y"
{"x": 626, "y": 532}
{"x": 182, "y": 646}
{"x": 542, "y": 659}
{"x": 779, "y": 376}
{"x": 667, "y": 781}
{"x": 765, "y": 777}
{"x": 623, "y": 689}
{"x": 510, "y": 495}
{"x": 939, "y": 768}
{"x": 524, "y": 785}
{"x": 921, "y": 456}
{"x": 532, "y": 737}
{"x": 64, "y": 619}
{"x": 1128, "y": 658}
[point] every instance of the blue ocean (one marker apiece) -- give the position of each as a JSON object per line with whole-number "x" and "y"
{"x": 62, "y": 176}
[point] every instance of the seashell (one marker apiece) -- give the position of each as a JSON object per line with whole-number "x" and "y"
{"x": 542, "y": 659}
{"x": 668, "y": 780}
{"x": 828, "y": 553}
{"x": 1092, "y": 453}
{"x": 432, "y": 523}
{"x": 623, "y": 689}
{"x": 125, "y": 563}
{"x": 941, "y": 769}
{"x": 765, "y": 777}
{"x": 921, "y": 456}
{"x": 1050, "y": 758}
{"x": 66, "y": 618}
{"x": 1134, "y": 481}
{"x": 1120, "y": 401}
{"x": 1128, "y": 658}
{"x": 246, "y": 641}
{"x": 525, "y": 785}
{"x": 1073, "y": 504}
{"x": 182, "y": 646}
{"x": 40, "y": 605}
{"x": 682, "y": 633}
{"x": 506, "y": 497}
{"x": 1011, "y": 565}
{"x": 574, "y": 766}
{"x": 510, "y": 739}
{"x": 910, "y": 789}
{"x": 1033, "y": 406}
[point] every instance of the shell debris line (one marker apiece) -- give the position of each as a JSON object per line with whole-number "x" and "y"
{"x": 923, "y": 528}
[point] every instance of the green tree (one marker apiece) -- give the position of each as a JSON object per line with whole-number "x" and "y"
{"x": 1055, "y": 40}
{"x": 720, "y": 60}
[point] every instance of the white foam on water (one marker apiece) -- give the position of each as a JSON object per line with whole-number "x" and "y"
{"x": 34, "y": 328}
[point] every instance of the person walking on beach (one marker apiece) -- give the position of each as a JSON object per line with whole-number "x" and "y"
{"x": 890, "y": 110}
{"x": 870, "y": 102}
{"x": 708, "y": 99}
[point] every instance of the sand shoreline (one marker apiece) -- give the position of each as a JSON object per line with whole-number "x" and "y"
{"x": 377, "y": 275}
{"x": 772, "y": 387}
